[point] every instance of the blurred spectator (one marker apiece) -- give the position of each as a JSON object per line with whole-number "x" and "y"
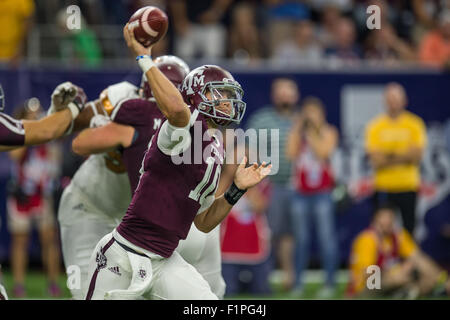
{"x": 395, "y": 142}
{"x": 345, "y": 48}
{"x": 341, "y": 5}
{"x": 78, "y": 46}
{"x": 302, "y": 50}
{"x": 406, "y": 272}
{"x": 15, "y": 23}
{"x": 245, "y": 44}
{"x": 279, "y": 17}
{"x": 30, "y": 202}
{"x": 435, "y": 46}
{"x": 285, "y": 96}
{"x": 385, "y": 46}
{"x": 245, "y": 241}
{"x": 427, "y": 11}
{"x": 329, "y": 21}
{"x": 310, "y": 146}
{"x": 198, "y": 28}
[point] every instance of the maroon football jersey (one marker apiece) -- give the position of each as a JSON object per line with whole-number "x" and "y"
{"x": 12, "y": 132}
{"x": 169, "y": 195}
{"x": 145, "y": 117}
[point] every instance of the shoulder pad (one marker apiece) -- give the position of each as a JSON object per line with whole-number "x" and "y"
{"x": 116, "y": 93}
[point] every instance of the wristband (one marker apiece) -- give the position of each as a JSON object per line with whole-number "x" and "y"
{"x": 145, "y": 62}
{"x": 74, "y": 110}
{"x": 233, "y": 194}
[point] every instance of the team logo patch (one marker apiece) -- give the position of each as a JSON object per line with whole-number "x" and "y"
{"x": 115, "y": 270}
{"x": 142, "y": 273}
{"x": 101, "y": 260}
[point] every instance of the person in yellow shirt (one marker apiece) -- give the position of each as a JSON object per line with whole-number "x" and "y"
{"x": 404, "y": 268}
{"x": 395, "y": 141}
{"x": 15, "y": 23}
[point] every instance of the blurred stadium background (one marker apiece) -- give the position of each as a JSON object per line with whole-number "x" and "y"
{"x": 324, "y": 45}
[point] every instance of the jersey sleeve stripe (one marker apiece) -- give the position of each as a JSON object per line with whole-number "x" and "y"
{"x": 11, "y": 124}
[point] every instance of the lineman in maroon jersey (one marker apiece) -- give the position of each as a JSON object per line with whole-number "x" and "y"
{"x": 169, "y": 196}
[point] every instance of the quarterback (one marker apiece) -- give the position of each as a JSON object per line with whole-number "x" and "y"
{"x": 169, "y": 197}
{"x": 87, "y": 215}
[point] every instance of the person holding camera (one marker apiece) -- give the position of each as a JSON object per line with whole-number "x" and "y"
{"x": 310, "y": 145}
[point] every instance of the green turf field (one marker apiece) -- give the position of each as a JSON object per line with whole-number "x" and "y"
{"x": 36, "y": 287}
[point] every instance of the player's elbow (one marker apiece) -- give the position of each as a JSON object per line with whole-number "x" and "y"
{"x": 201, "y": 224}
{"x": 203, "y": 228}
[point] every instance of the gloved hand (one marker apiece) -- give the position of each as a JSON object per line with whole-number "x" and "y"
{"x": 65, "y": 94}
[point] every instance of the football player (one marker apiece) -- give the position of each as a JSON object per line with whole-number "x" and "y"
{"x": 67, "y": 102}
{"x": 134, "y": 119}
{"x": 169, "y": 197}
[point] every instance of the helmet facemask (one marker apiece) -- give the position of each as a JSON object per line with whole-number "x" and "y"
{"x": 2, "y": 98}
{"x": 214, "y": 94}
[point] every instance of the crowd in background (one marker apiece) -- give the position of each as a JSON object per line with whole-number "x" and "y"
{"x": 302, "y": 202}
{"x": 280, "y": 33}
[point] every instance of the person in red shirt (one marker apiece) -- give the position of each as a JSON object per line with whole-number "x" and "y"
{"x": 245, "y": 244}
{"x": 310, "y": 145}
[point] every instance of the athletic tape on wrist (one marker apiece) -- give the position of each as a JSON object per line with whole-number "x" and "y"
{"x": 74, "y": 110}
{"x": 233, "y": 194}
{"x": 145, "y": 62}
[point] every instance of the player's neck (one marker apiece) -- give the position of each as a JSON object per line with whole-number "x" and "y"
{"x": 211, "y": 124}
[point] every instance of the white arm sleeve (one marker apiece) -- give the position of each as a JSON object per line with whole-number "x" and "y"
{"x": 173, "y": 140}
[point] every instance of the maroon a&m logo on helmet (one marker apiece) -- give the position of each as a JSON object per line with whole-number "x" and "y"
{"x": 208, "y": 88}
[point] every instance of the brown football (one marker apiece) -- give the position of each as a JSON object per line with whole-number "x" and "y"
{"x": 149, "y": 25}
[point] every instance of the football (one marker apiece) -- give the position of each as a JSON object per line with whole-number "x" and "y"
{"x": 149, "y": 25}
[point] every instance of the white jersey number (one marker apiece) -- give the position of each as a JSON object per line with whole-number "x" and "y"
{"x": 195, "y": 194}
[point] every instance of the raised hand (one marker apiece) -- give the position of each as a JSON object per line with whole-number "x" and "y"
{"x": 245, "y": 178}
{"x": 66, "y": 93}
{"x": 137, "y": 48}
{"x": 62, "y": 95}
